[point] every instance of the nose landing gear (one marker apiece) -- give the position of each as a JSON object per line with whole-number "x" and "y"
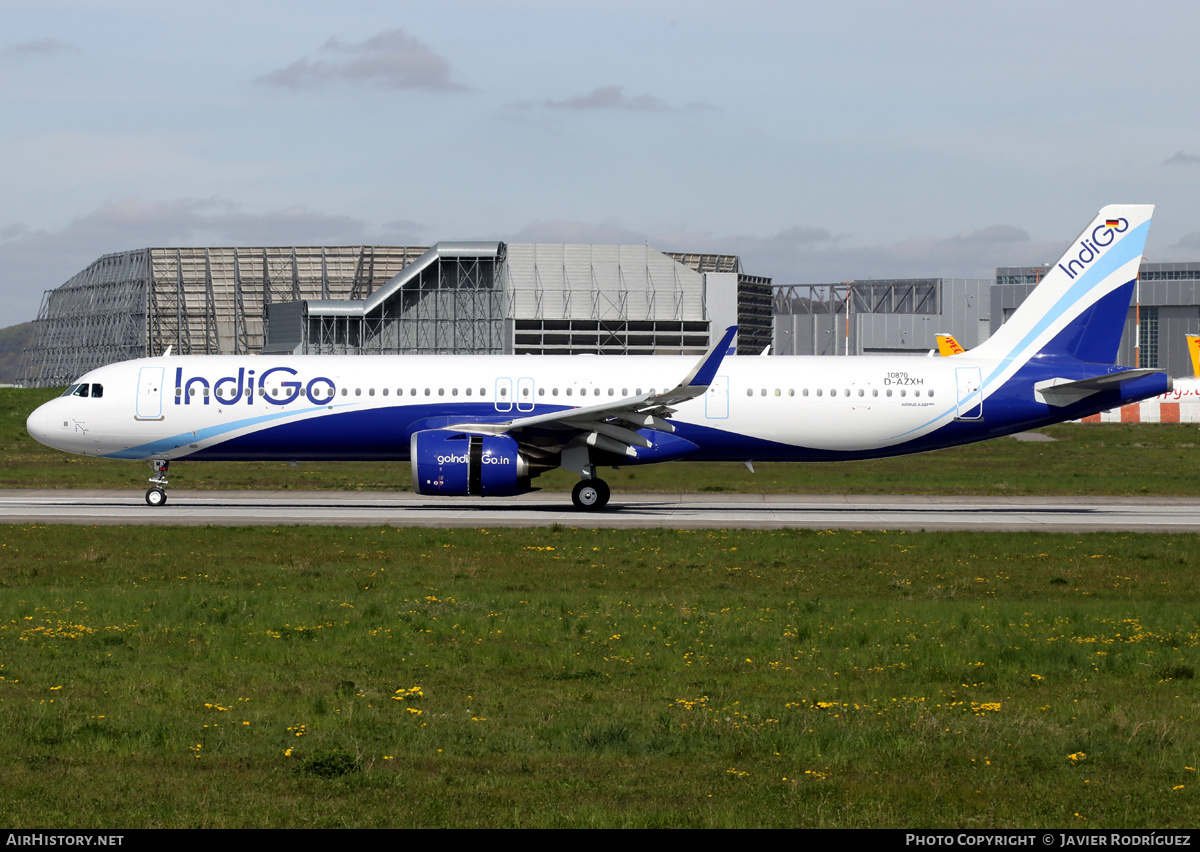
{"x": 157, "y": 495}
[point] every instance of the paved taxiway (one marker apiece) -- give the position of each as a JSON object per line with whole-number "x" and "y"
{"x": 677, "y": 511}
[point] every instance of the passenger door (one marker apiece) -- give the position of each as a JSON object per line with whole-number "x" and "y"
{"x": 970, "y": 393}
{"x": 149, "y": 394}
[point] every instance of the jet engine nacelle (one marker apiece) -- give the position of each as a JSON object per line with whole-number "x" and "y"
{"x": 460, "y": 464}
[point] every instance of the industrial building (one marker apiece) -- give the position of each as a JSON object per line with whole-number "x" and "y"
{"x": 897, "y": 317}
{"x": 495, "y": 297}
{"x": 883, "y": 317}
{"x": 1166, "y": 308}
{"x": 195, "y": 300}
{"x": 466, "y": 297}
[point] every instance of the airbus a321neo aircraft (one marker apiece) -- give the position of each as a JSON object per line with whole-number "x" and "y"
{"x": 489, "y": 424}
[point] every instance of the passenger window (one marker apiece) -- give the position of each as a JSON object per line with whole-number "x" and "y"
{"x": 357, "y": 391}
{"x": 929, "y": 392}
{"x": 818, "y": 391}
{"x": 385, "y": 391}
{"x": 749, "y": 391}
{"x": 862, "y": 392}
{"x": 568, "y": 391}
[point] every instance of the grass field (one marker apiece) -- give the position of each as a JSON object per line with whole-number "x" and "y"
{"x": 575, "y": 677}
{"x": 1100, "y": 459}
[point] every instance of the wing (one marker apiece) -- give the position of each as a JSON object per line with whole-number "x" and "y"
{"x": 612, "y": 426}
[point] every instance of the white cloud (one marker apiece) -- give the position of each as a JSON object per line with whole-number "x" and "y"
{"x": 392, "y": 59}
{"x": 40, "y": 47}
{"x": 613, "y": 97}
{"x": 1189, "y": 241}
{"x": 1180, "y": 158}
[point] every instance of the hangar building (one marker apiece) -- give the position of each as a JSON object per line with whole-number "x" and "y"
{"x": 883, "y": 317}
{"x": 902, "y": 316}
{"x": 467, "y": 297}
{"x": 1166, "y": 308}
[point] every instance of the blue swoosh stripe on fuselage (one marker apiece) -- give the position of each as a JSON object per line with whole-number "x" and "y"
{"x": 382, "y": 434}
{"x": 371, "y": 434}
{"x": 166, "y": 445}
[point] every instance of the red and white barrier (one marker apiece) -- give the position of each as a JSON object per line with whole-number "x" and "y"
{"x": 1180, "y": 405}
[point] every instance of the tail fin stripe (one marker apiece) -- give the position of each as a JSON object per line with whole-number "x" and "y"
{"x": 1128, "y": 249}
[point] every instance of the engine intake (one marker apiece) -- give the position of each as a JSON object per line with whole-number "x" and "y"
{"x": 459, "y": 464}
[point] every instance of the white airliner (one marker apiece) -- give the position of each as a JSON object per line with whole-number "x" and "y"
{"x": 487, "y": 425}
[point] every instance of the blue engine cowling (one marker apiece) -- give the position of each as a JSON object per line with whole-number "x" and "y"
{"x": 459, "y": 464}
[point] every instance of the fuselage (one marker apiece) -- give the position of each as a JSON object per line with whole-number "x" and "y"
{"x": 367, "y": 407}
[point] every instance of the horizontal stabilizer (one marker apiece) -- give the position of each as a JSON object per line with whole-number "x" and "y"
{"x": 1061, "y": 392}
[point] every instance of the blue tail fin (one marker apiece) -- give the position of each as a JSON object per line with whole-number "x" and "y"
{"x": 1078, "y": 309}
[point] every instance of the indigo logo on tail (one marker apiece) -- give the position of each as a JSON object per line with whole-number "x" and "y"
{"x": 1092, "y": 247}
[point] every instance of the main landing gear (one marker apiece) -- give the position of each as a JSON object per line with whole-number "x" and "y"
{"x": 157, "y": 495}
{"x": 590, "y": 495}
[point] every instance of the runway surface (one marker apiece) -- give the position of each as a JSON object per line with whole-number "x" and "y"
{"x": 675, "y": 511}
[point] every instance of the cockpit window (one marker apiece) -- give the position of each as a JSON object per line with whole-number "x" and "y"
{"x": 96, "y": 391}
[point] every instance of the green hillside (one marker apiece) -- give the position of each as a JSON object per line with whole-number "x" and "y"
{"x": 13, "y": 341}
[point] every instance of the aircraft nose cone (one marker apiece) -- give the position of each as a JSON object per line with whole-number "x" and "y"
{"x": 35, "y": 425}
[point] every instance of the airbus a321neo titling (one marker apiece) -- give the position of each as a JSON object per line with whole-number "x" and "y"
{"x": 488, "y": 425}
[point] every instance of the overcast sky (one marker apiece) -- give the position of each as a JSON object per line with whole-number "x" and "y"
{"x": 820, "y": 141}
